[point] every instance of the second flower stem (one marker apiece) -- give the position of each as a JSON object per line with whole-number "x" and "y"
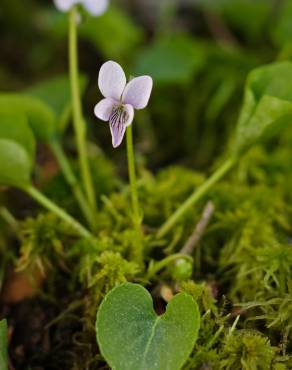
{"x": 78, "y": 120}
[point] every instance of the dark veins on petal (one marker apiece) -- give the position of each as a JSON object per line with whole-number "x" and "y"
{"x": 118, "y": 116}
{"x": 118, "y": 120}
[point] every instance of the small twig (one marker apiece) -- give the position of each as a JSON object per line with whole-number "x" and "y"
{"x": 196, "y": 236}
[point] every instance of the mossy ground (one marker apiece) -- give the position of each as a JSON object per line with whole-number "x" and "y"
{"x": 242, "y": 274}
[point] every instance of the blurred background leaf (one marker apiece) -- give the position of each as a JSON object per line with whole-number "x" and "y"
{"x": 14, "y": 126}
{"x": 123, "y": 35}
{"x": 40, "y": 117}
{"x": 15, "y": 164}
{"x": 56, "y": 93}
{"x": 165, "y": 60}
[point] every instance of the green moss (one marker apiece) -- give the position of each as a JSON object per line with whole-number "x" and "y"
{"x": 44, "y": 241}
{"x": 245, "y": 350}
{"x": 242, "y": 264}
{"x": 112, "y": 269}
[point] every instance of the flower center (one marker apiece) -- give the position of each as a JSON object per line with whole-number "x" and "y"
{"x": 119, "y": 117}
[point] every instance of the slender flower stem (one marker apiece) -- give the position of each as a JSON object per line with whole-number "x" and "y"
{"x": 197, "y": 195}
{"x": 48, "y": 204}
{"x": 132, "y": 173}
{"x": 78, "y": 120}
{"x": 72, "y": 181}
{"x": 134, "y": 193}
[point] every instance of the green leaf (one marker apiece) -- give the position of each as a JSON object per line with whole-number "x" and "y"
{"x": 14, "y": 126}
{"x": 40, "y": 117}
{"x": 124, "y": 34}
{"x": 56, "y": 94}
{"x": 183, "y": 55}
{"x": 267, "y": 106}
{"x": 132, "y": 337}
{"x": 3, "y": 345}
{"x": 15, "y": 164}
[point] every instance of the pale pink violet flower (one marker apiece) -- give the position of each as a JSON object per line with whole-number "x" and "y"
{"x": 94, "y": 7}
{"x": 121, "y": 98}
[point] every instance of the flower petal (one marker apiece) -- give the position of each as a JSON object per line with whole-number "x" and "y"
{"x": 111, "y": 80}
{"x": 64, "y": 5}
{"x": 121, "y": 117}
{"x": 96, "y": 7}
{"x": 104, "y": 108}
{"x": 138, "y": 91}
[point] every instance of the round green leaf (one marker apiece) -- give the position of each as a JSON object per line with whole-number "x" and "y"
{"x": 40, "y": 117}
{"x": 132, "y": 337}
{"x": 14, "y": 126}
{"x": 15, "y": 164}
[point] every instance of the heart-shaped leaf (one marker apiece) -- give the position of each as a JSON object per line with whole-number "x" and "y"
{"x": 267, "y": 106}
{"x": 40, "y": 117}
{"x": 132, "y": 337}
{"x": 15, "y": 164}
{"x": 14, "y": 126}
{"x": 3, "y": 345}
